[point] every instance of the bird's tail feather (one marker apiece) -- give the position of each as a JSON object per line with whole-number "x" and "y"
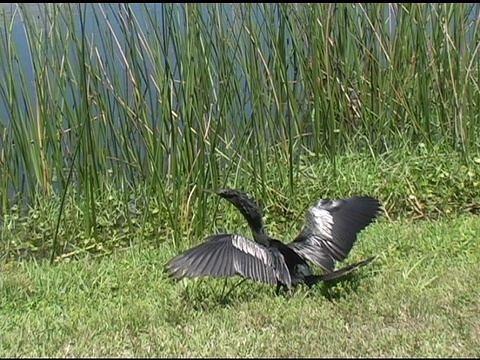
{"x": 314, "y": 279}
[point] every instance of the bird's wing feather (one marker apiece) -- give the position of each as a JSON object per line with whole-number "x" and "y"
{"x": 231, "y": 254}
{"x": 332, "y": 227}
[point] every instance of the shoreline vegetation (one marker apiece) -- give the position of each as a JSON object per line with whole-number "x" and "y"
{"x": 432, "y": 186}
{"x": 114, "y": 119}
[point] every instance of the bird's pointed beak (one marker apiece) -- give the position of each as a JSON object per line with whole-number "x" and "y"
{"x": 210, "y": 191}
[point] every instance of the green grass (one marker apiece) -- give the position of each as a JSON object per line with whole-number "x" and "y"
{"x": 419, "y": 299}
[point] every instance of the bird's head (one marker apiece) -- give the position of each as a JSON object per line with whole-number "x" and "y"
{"x": 242, "y": 201}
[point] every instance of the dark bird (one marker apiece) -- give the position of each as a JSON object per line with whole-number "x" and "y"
{"x": 329, "y": 233}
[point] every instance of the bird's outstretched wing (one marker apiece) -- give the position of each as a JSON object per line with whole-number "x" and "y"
{"x": 231, "y": 254}
{"x": 332, "y": 227}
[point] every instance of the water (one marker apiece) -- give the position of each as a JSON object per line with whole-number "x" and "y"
{"x": 114, "y": 17}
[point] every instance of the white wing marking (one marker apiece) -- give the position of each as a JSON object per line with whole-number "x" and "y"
{"x": 320, "y": 221}
{"x": 252, "y": 248}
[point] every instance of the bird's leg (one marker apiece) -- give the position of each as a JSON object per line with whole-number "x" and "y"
{"x": 233, "y": 288}
{"x": 224, "y": 286}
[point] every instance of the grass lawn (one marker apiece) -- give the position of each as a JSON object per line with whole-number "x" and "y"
{"x": 420, "y": 298}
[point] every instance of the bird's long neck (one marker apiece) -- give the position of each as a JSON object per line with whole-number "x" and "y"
{"x": 254, "y": 218}
{"x": 258, "y": 230}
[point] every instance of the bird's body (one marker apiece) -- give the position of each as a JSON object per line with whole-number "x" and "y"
{"x": 329, "y": 234}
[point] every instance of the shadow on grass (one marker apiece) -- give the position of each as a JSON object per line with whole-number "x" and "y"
{"x": 212, "y": 294}
{"x": 340, "y": 288}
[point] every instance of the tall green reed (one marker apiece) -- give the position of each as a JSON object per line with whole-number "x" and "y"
{"x": 163, "y": 101}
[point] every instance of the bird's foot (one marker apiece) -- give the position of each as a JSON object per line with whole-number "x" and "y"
{"x": 289, "y": 291}
{"x": 277, "y": 290}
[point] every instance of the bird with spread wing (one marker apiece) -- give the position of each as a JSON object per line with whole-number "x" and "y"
{"x": 328, "y": 235}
